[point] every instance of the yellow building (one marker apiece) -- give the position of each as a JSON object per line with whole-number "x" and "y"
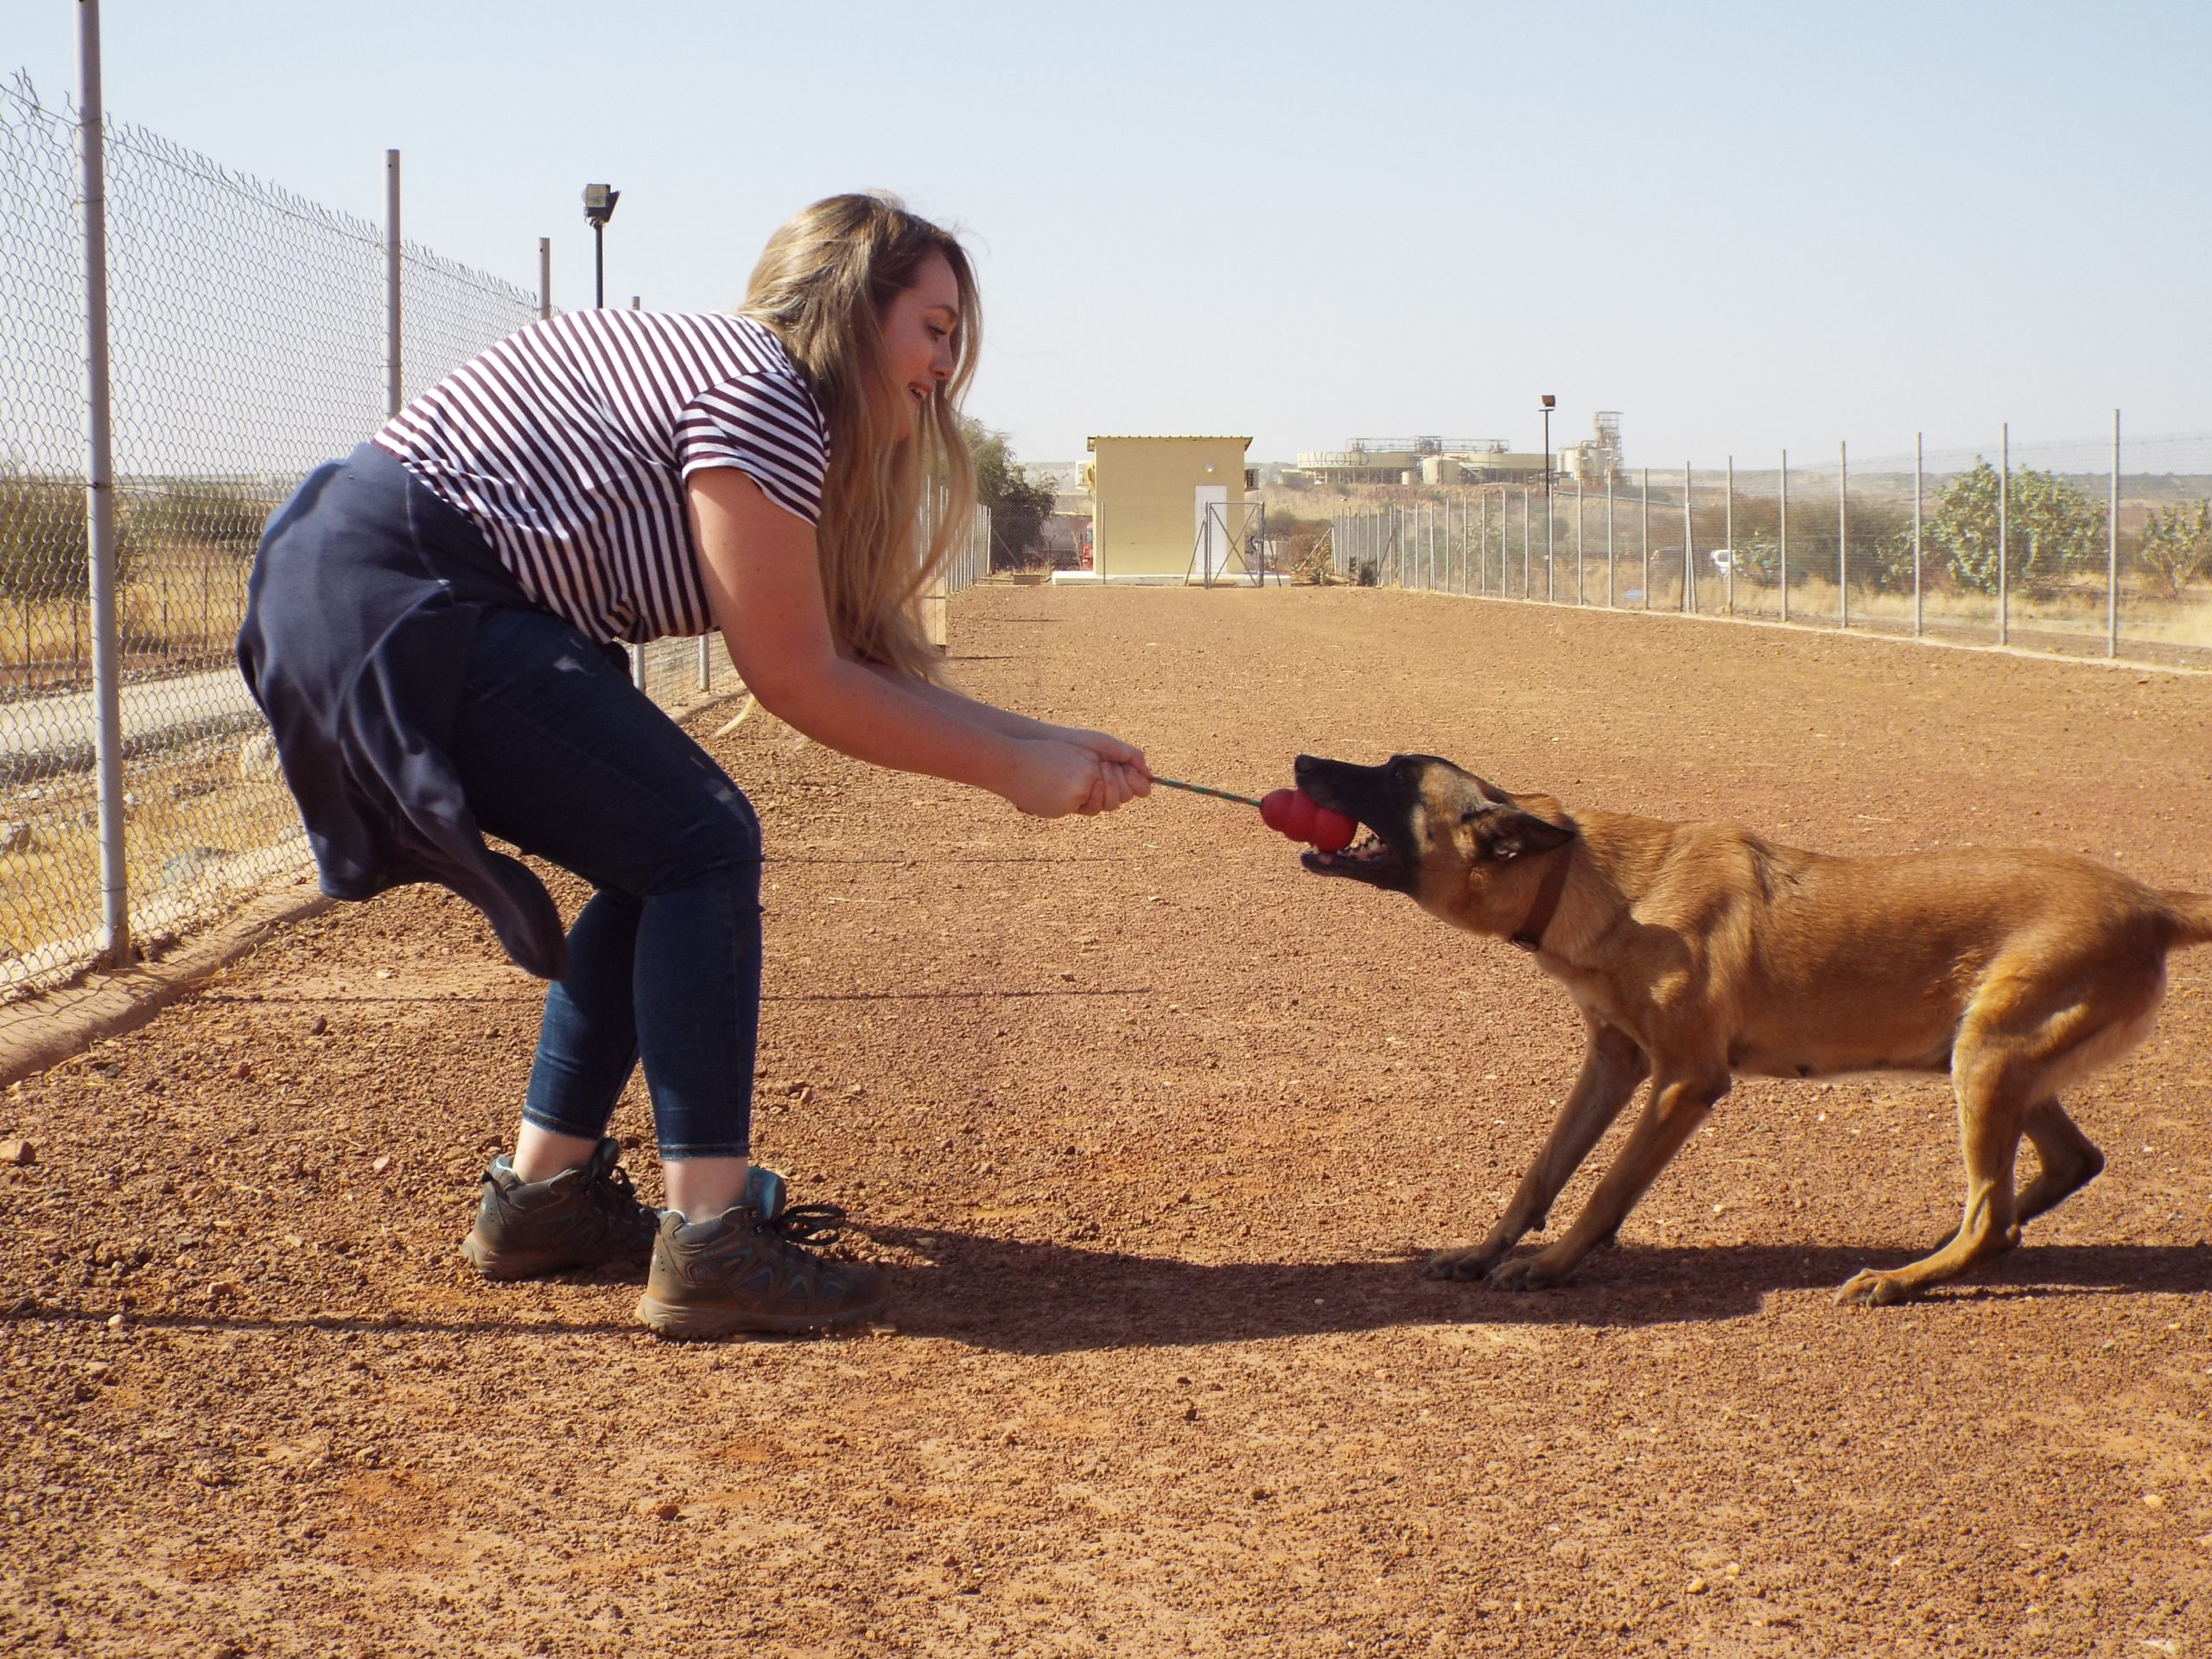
{"x": 1163, "y": 506}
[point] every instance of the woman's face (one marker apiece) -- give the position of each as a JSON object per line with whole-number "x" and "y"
{"x": 921, "y": 328}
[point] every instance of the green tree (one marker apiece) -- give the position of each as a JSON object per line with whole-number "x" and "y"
{"x": 2051, "y": 526}
{"x": 2177, "y": 547}
{"x": 1019, "y": 507}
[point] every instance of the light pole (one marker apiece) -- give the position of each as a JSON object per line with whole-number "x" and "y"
{"x": 1549, "y": 403}
{"x": 599, "y": 208}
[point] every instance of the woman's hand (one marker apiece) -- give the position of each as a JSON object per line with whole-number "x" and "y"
{"x": 1123, "y": 774}
{"x": 1051, "y": 779}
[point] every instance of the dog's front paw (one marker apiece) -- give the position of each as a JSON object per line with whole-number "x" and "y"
{"x": 1530, "y": 1272}
{"x": 1869, "y": 1288}
{"x": 1470, "y": 1262}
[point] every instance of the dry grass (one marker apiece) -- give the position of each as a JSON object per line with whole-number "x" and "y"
{"x": 198, "y": 836}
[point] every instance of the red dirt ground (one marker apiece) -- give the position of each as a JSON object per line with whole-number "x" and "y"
{"x": 1148, "y": 1126}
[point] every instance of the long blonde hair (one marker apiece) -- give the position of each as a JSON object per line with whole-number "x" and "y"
{"x": 823, "y": 284}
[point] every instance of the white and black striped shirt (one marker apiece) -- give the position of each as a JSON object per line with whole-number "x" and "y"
{"x": 568, "y": 444}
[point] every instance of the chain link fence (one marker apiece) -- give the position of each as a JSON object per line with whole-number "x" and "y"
{"x": 2093, "y": 547}
{"x": 248, "y": 345}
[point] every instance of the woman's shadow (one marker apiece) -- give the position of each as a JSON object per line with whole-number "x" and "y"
{"x": 1041, "y": 1298}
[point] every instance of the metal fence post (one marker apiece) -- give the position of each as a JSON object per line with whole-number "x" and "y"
{"x": 1577, "y": 541}
{"x": 1527, "y": 578}
{"x": 1609, "y": 537}
{"x": 1842, "y": 537}
{"x": 2004, "y": 537}
{"x": 2111, "y": 549}
{"x": 1782, "y": 531}
{"x": 394, "y": 392}
{"x": 1918, "y": 458}
{"x": 1689, "y": 558}
{"x": 1551, "y": 528}
{"x": 1728, "y": 535}
{"x": 544, "y": 277}
{"x": 1647, "y": 539}
{"x": 706, "y": 662}
{"x": 99, "y": 496}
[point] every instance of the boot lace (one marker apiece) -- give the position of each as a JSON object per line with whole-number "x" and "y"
{"x": 810, "y": 1226}
{"x": 613, "y": 1201}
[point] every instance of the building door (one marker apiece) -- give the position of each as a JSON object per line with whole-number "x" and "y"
{"x": 1209, "y": 510}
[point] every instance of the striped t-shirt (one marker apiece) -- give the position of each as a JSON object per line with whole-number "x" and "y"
{"x": 568, "y": 444}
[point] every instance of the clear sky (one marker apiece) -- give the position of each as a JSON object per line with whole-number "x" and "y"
{"x": 1743, "y": 225}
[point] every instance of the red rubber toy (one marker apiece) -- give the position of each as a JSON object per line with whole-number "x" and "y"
{"x": 1293, "y": 813}
{"x": 1332, "y": 831}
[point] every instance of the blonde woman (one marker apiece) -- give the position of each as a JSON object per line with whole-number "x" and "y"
{"x": 434, "y": 628}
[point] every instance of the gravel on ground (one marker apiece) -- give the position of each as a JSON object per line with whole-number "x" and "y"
{"x": 1149, "y": 1129}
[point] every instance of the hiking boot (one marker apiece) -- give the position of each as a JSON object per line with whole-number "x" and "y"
{"x": 587, "y": 1218}
{"x": 752, "y": 1269}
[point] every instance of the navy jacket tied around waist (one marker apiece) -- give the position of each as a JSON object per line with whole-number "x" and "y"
{"x": 364, "y": 597}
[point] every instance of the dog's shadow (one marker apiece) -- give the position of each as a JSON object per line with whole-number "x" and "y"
{"x": 1038, "y": 1298}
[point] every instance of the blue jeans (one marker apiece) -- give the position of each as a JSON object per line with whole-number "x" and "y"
{"x": 558, "y": 752}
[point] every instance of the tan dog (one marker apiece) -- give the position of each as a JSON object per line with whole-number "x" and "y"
{"x": 1699, "y": 952}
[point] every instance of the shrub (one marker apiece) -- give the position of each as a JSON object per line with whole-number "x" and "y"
{"x": 2176, "y": 546}
{"x": 2051, "y": 526}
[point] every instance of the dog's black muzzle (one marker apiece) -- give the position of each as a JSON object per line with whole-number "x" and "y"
{"x": 1382, "y": 799}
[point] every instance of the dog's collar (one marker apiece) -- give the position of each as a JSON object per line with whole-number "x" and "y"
{"x": 1529, "y": 936}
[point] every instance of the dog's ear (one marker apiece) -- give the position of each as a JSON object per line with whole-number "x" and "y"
{"x": 1508, "y": 832}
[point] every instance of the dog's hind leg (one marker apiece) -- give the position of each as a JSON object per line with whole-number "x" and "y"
{"x": 1994, "y": 1082}
{"x": 2070, "y": 1161}
{"x": 1678, "y": 1105}
{"x": 2032, "y": 1029}
{"x": 1613, "y": 1067}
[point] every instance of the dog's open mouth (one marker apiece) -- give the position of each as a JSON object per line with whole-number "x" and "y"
{"x": 1380, "y": 799}
{"x": 1369, "y": 859}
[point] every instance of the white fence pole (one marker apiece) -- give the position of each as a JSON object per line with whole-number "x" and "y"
{"x": 1728, "y": 535}
{"x": 1842, "y": 537}
{"x": 1647, "y": 539}
{"x": 2003, "y": 537}
{"x": 544, "y": 277}
{"x": 2111, "y": 549}
{"x": 1919, "y": 618}
{"x": 99, "y": 496}
{"x": 1577, "y": 541}
{"x": 395, "y": 392}
{"x": 1781, "y": 530}
{"x": 1690, "y": 557}
{"x": 1609, "y": 537}
{"x": 1527, "y": 578}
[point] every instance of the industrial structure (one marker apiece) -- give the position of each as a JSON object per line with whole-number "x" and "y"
{"x": 1166, "y": 509}
{"x": 1435, "y": 461}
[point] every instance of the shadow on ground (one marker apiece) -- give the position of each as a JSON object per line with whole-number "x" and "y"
{"x": 1018, "y": 1297}
{"x": 1045, "y": 1298}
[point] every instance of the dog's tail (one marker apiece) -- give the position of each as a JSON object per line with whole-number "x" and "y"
{"x": 2192, "y": 914}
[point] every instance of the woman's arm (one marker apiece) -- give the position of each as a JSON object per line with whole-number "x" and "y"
{"x": 764, "y": 582}
{"x": 1007, "y": 723}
